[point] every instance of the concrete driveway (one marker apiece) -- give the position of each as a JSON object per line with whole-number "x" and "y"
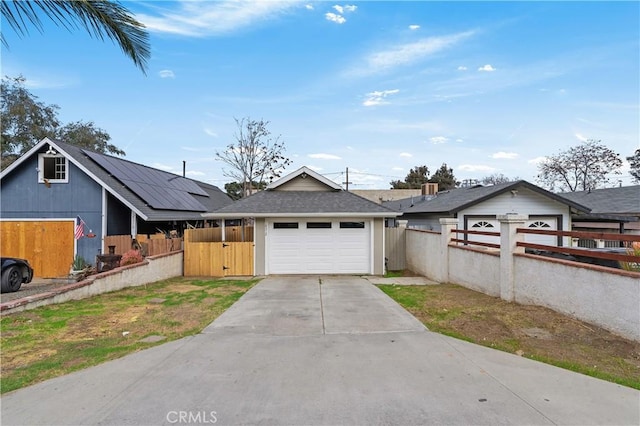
{"x": 321, "y": 350}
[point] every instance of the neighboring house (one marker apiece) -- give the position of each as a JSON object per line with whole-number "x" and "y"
{"x": 477, "y": 208}
{"x": 612, "y": 209}
{"x": 306, "y": 224}
{"x": 49, "y": 187}
{"x": 383, "y": 195}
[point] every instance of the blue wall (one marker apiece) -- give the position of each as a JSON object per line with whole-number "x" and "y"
{"x": 22, "y": 197}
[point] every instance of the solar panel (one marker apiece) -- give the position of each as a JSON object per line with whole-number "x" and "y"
{"x": 159, "y": 189}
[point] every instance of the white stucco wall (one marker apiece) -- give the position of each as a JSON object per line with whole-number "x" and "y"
{"x": 607, "y": 298}
{"x": 424, "y": 253}
{"x": 154, "y": 268}
{"x": 475, "y": 269}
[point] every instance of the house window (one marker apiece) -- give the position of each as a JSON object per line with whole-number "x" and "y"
{"x": 539, "y": 224}
{"x": 318, "y": 225}
{"x": 482, "y": 224}
{"x": 52, "y": 169}
{"x": 351, "y": 225}
{"x": 285, "y": 225}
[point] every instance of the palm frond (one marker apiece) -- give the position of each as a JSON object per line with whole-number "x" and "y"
{"x": 101, "y": 18}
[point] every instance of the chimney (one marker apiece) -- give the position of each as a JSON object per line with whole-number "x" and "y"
{"x": 429, "y": 188}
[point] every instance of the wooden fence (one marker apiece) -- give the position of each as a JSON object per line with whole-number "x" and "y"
{"x": 206, "y": 255}
{"x": 395, "y": 248}
{"x": 233, "y": 234}
{"x": 150, "y": 245}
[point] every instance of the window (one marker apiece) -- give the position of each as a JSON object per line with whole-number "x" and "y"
{"x": 351, "y": 225}
{"x": 52, "y": 168}
{"x": 318, "y": 225}
{"x": 285, "y": 225}
{"x": 539, "y": 224}
{"x": 482, "y": 224}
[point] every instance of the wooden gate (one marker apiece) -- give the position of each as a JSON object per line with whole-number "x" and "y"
{"x": 218, "y": 259}
{"x": 47, "y": 245}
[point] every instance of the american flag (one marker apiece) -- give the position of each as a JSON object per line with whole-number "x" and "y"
{"x": 79, "y": 231}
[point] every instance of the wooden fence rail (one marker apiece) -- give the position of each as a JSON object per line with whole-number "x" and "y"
{"x": 208, "y": 235}
{"x": 151, "y": 246}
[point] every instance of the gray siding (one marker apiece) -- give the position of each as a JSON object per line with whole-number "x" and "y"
{"x": 32, "y": 200}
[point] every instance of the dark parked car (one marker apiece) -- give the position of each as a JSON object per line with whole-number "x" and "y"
{"x": 15, "y": 272}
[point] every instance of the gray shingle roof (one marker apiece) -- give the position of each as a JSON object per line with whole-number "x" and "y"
{"x": 215, "y": 198}
{"x": 622, "y": 200}
{"x": 292, "y": 203}
{"x": 452, "y": 201}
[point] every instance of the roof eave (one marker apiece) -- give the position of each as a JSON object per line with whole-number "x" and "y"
{"x": 302, "y": 214}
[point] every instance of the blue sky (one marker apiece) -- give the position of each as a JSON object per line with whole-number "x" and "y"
{"x": 378, "y": 87}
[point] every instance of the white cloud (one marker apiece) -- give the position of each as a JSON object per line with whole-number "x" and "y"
{"x": 504, "y": 155}
{"x": 406, "y": 54}
{"x": 339, "y": 9}
{"x": 338, "y": 19}
{"x": 350, "y": 7}
{"x": 161, "y": 166}
{"x": 195, "y": 173}
{"x": 459, "y": 140}
{"x": 166, "y": 74}
{"x": 476, "y": 168}
{"x": 581, "y": 138}
{"x": 462, "y": 68}
{"x": 414, "y": 27}
{"x": 206, "y": 18}
{"x": 405, "y": 155}
{"x": 322, "y": 156}
{"x": 378, "y": 97}
{"x": 487, "y": 68}
{"x": 210, "y": 132}
{"x": 438, "y": 140}
{"x": 309, "y": 6}
{"x": 537, "y": 160}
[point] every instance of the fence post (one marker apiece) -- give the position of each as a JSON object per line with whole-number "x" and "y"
{"x": 447, "y": 225}
{"x": 508, "y": 239}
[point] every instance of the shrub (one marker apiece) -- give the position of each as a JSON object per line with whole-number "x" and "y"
{"x": 633, "y": 250}
{"x": 130, "y": 258}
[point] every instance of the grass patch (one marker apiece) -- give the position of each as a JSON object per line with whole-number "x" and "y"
{"x": 54, "y": 340}
{"x": 530, "y": 331}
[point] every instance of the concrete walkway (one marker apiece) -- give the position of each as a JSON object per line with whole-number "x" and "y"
{"x": 321, "y": 350}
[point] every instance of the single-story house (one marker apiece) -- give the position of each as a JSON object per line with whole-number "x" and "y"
{"x": 305, "y": 223}
{"x": 614, "y": 210}
{"x": 477, "y": 208}
{"x": 56, "y": 189}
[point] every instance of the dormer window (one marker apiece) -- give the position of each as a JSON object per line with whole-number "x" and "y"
{"x": 52, "y": 168}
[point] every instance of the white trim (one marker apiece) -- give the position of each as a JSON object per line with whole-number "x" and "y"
{"x": 103, "y": 221}
{"x": 41, "y": 178}
{"x": 134, "y": 225}
{"x": 310, "y": 173}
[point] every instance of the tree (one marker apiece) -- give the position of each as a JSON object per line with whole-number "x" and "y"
{"x": 414, "y": 179}
{"x": 234, "y": 189}
{"x": 87, "y": 135}
{"x": 444, "y": 178}
{"x": 26, "y": 121}
{"x": 497, "y": 178}
{"x": 579, "y": 168}
{"x": 255, "y": 157}
{"x": 100, "y": 18}
{"x": 634, "y": 163}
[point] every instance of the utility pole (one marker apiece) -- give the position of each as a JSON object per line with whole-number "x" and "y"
{"x": 347, "y": 182}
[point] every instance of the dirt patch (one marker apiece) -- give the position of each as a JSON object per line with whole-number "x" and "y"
{"x": 531, "y": 331}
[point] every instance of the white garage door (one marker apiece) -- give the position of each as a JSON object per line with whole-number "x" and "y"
{"x": 493, "y": 225}
{"x": 544, "y": 223}
{"x": 323, "y": 246}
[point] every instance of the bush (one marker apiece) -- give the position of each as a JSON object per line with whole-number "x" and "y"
{"x": 130, "y": 258}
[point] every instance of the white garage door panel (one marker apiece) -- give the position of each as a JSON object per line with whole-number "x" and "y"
{"x": 545, "y": 223}
{"x": 320, "y": 251}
